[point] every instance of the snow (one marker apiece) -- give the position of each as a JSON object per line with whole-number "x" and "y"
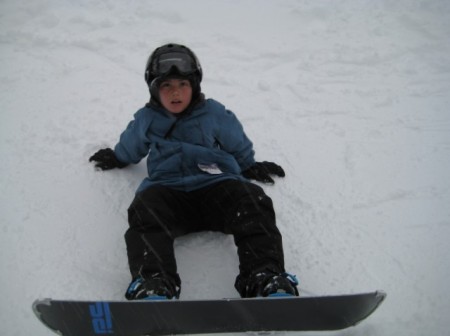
{"x": 350, "y": 97}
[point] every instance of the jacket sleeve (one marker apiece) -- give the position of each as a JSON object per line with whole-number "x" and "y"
{"x": 233, "y": 140}
{"x": 134, "y": 144}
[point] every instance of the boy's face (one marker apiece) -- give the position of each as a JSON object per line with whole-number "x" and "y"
{"x": 175, "y": 94}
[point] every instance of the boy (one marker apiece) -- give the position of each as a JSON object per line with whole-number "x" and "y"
{"x": 199, "y": 162}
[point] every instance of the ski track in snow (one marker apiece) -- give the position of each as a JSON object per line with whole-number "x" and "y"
{"x": 350, "y": 97}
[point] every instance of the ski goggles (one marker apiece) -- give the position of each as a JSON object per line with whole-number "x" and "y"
{"x": 165, "y": 63}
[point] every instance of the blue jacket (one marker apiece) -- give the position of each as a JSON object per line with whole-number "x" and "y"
{"x": 192, "y": 151}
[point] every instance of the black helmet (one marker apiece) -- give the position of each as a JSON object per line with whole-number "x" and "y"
{"x": 173, "y": 60}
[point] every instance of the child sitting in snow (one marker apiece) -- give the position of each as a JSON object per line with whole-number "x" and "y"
{"x": 199, "y": 162}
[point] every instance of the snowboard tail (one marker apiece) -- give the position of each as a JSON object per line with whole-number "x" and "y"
{"x": 133, "y": 318}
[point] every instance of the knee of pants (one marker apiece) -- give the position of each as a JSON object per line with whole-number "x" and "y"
{"x": 248, "y": 196}
{"x": 257, "y": 204}
{"x": 148, "y": 211}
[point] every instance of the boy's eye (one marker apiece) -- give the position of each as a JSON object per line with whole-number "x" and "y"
{"x": 185, "y": 83}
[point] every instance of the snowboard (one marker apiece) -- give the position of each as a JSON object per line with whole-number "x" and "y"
{"x": 172, "y": 317}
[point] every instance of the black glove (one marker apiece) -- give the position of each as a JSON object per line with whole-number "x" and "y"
{"x": 261, "y": 171}
{"x": 106, "y": 159}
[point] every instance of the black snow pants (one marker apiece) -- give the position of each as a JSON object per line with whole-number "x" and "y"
{"x": 159, "y": 214}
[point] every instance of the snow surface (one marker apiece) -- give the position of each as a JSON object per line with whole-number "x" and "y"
{"x": 350, "y": 97}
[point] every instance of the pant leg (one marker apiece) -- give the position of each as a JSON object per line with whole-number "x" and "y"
{"x": 156, "y": 217}
{"x": 244, "y": 210}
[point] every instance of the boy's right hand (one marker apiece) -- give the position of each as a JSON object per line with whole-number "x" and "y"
{"x": 106, "y": 159}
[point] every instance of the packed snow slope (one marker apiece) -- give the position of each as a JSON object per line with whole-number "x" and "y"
{"x": 350, "y": 97}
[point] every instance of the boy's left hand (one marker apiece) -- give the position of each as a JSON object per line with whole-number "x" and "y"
{"x": 261, "y": 172}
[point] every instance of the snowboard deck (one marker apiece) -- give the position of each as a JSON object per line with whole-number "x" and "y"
{"x": 133, "y": 318}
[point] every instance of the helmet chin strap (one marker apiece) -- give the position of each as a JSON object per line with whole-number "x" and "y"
{"x": 154, "y": 90}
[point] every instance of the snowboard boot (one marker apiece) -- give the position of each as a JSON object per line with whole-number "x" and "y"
{"x": 267, "y": 284}
{"x": 154, "y": 287}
